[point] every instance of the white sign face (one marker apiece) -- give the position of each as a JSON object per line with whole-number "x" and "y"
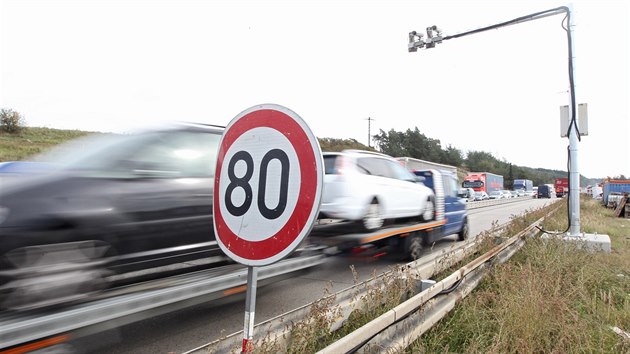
{"x": 267, "y": 186}
{"x": 252, "y": 225}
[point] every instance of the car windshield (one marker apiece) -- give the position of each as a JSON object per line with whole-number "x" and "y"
{"x": 495, "y": 193}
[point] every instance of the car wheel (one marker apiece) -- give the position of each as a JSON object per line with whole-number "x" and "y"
{"x": 429, "y": 211}
{"x": 414, "y": 247}
{"x": 52, "y": 274}
{"x": 462, "y": 235}
{"x": 373, "y": 219}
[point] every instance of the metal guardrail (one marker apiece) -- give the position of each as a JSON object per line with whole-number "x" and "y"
{"x": 491, "y": 202}
{"x": 348, "y": 300}
{"x": 186, "y": 291}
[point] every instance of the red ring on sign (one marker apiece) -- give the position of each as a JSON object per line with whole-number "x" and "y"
{"x": 273, "y": 245}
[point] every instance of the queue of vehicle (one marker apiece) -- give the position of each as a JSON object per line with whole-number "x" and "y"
{"x": 119, "y": 209}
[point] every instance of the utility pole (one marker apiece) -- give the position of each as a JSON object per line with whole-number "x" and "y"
{"x": 369, "y": 119}
{"x": 574, "y": 175}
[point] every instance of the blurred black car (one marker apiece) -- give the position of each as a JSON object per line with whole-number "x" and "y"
{"x": 111, "y": 205}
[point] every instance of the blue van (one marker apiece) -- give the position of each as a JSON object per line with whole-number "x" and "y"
{"x": 544, "y": 191}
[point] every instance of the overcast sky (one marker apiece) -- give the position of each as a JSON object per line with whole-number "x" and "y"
{"x": 121, "y": 65}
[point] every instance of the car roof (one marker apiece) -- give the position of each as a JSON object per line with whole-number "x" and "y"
{"x": 196, "y": 126}
{"x": 179, "y": 126}
{"x": 353, "y": 152}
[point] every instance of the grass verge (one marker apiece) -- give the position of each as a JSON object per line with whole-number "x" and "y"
{"x": 32, "y": 141}
{"x": 550, "y": 297}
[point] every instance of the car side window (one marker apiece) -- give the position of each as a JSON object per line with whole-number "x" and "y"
{"x": 330, "y": 164}
{"x": 397, "y": 171}
{"x": 450, "y": 186}
{"x": 178, "y": 154}
{"x": 370, "y": 166}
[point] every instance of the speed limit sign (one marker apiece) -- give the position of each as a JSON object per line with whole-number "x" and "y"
{"x": 267, "y": 186}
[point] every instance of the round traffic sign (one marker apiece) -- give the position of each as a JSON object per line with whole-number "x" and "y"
{"x": 267, "y": 185}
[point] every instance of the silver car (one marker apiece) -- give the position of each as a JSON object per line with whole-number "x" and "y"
{"x": 479, "y": 196}
{"x": 496, "y": 195}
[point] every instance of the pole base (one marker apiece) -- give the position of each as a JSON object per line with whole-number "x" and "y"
{"x": 591, "y": 242}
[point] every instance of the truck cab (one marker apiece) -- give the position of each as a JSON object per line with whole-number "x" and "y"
{"x": 453, "y": 208}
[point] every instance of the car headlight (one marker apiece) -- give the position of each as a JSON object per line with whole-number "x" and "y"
{"x": 4, "y": 214}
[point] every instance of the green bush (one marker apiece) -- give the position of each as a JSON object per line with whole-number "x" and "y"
{"x": 11, "y": 121}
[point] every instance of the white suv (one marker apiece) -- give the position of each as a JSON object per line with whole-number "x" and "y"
{"x": 369, "y": 188}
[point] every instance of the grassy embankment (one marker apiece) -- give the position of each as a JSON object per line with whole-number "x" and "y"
{"x": 31, "y": 141}
{"x": 549, "y": 298}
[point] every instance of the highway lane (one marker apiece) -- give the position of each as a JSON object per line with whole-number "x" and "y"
{"x": 184, "y": 330}
{"x": 481, "y": 219}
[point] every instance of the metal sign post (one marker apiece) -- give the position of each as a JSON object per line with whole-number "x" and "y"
{"x": 250, "y": 309}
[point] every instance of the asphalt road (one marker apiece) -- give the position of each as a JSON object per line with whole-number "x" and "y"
{"x": 190, "y": 328}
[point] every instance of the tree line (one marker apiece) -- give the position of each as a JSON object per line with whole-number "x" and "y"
{"x": 410, "y": 143}
{"x": 413, "y": 143}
